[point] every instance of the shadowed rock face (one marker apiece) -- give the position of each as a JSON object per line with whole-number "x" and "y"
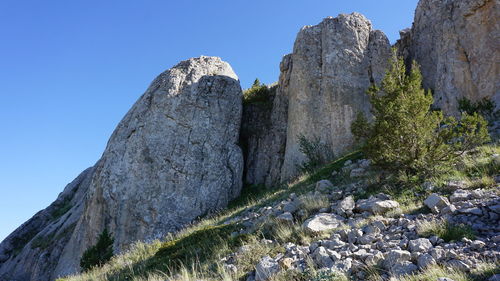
{"x": 264, "y": 133}
{"x": 456, "y": 44}
{"x": 173, "y": 157}
{"x": 333, "y": 64}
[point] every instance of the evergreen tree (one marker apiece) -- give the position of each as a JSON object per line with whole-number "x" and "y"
{"x": 408, "y": 136}
{"x": 98, "y": 254}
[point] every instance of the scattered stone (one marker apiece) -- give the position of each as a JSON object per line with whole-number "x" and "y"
{"x": 285, "y": 217}
{"x": 459, "y": 195}
{"x": 396, "y": 256}
{"x": 403, "y": 268}
{"x": 323, "y": 222}
{"x": 421, "y": 245}
{"x": 345, "y": 206}
{"x": 436, "y": 202}
{"x": 454, "y": 185}
{"x": 290, "y": 207}
{"x": 266, "y": 268}
{"x": 343, "y": 265}
{"x": 376, "y": 204}
{"x": 322, "y": 258}
{"x": 477, "y": 244}
{"x": 425, "y": 260}
{"x": 473, "y": 211}
{"x": 324, "y": 185}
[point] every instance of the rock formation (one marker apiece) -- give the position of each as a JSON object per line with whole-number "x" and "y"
{"x": 333, "y": 64}
{"x": 456, "y": 44}
{"x": 173, "y": 157}
{"x": 264, "y": 133}
{"x": 32, "y": 250}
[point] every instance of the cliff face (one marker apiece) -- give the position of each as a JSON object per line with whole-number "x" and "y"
{"x": 264, "y": 133}
{"x": 334, "y": 63}
{"x": 173, "y": 157}
{"x": 32, "y": 250}
{"x": 456, "y": 44}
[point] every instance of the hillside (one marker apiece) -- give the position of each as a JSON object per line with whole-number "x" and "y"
{"x": 364, "y": 161}
{"x": 289, "y": 232}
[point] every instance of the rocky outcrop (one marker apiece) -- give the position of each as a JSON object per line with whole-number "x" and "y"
{"x": 334, "y": 63}
{"x": 456, "y": 45}
{"x": 263, "y": 132}
{"x": 173, "y": 157}
{"x": 32, "y": 250}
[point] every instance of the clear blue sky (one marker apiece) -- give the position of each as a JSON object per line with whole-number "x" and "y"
{"x": 70, "y": 70}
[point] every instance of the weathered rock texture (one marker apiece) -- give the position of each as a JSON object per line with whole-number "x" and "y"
{"x": 33, "y": 249}
{"x": 333, "y": 64}
{"x": 456, "y": 44}
{"x": 173, "y": 157}
{"x": 264, "y": 133}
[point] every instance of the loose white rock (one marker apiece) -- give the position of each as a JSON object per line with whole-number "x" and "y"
{"x": 323, "y": 222}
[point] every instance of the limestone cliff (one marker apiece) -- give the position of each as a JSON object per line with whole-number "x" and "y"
{"x": 456, "y": 44}
{"x": 333, "y": 64}
{"x": 173, "y": 157}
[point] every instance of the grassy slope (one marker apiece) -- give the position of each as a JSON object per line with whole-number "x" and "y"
{"x": 201, "y": 245}
{"x": 205, "y": 240}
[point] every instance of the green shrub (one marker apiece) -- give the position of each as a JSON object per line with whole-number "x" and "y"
{"x": 317, "y": 154}
{"x": 485, "y": 107}
{"x": 406, "y": 135}
{"x": 258, "y": 93}
{"x": 359, "y": 128}
{"x": 98, "y": 254}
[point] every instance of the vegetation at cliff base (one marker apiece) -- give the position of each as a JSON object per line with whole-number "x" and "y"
{"x": 98, "y": 254}
{"x": 406, "y": 135}
{"x": 317, "y": 154}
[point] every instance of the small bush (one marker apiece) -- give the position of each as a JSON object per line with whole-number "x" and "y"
{"x": 98, "y": 254}
{"x": 317, "y": 154}
{"x": 258, "y": 93}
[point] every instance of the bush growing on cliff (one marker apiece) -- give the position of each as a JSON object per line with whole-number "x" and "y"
{"x": 98, "y": 254}
{"x": 485, "y": 107}
{"x": 406, "y": 135}
{"x": 259, "y": 92}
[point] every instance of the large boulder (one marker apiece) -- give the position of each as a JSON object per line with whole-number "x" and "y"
{"x": 173, "y": 157}
{"x": 456, "y": 45}
{"x": 333, "y": 64}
